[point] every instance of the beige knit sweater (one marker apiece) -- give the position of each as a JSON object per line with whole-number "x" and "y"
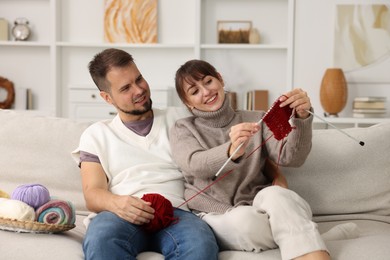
{"x": 200, "y": 145}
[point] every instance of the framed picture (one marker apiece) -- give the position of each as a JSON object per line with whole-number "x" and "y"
{"x": 130, "y": 21}
{"x": 362, "y": 42}
{"x": 234, "y": 31}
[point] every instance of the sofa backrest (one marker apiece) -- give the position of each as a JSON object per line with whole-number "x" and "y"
{"x": 37, "y": 149}
{"x": 343, "y": 180}
{"x": 340, "y": 179}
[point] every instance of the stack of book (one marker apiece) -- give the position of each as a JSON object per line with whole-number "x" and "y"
{"x": 369, "y": 107}
{"x": 257, "y": 100}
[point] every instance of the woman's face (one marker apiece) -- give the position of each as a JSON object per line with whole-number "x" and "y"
{"x": 206, "y": 94}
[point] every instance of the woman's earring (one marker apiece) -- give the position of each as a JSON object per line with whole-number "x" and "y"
{"x": 190, "y": 107}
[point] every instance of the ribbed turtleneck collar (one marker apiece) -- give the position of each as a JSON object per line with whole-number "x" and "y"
{"x": 217, "y": 119}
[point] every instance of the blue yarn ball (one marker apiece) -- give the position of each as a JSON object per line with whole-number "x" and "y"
{"x": 34, "y": 195}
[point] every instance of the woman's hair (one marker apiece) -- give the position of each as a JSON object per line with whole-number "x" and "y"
{"x": 103, "y": 62}
{"x": 191, "y": 71}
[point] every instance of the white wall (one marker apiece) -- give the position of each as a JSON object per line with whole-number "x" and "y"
{"x": 314, "y": 23}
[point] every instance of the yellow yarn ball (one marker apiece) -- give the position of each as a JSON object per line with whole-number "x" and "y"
{"x": 4, "y": 194}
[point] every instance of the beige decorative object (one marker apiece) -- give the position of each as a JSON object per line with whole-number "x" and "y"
{"x": 3, "y": 30}
{"x": 130, "y": 21}
{"x": 333, "y": 91}
{"x": 8, "y": 86}
{"x": 233, "y": 31}
{"x": 254, "y": 36}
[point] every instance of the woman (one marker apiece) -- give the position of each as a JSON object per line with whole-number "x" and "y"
{"x": 244, "y": 209}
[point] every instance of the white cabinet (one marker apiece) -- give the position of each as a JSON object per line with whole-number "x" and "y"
{"x": 66, "y": 34}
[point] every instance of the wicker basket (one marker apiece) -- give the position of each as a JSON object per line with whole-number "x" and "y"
{"x": 32, "y": 226}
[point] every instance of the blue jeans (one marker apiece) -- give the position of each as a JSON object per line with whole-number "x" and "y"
{"x": 110, "y": 237}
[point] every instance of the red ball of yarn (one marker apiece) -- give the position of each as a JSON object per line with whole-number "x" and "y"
{"x": 163, "y": 215}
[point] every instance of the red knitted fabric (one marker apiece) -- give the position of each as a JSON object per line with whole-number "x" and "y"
{"x": 277, "y": 120}
{"x": 163, "y": 215}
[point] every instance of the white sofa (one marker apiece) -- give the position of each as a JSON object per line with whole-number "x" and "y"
{"x": 341, "y": 180}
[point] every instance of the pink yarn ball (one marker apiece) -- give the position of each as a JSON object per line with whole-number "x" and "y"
{"x": 34, "y": 195}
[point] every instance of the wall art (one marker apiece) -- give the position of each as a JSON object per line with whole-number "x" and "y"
{"x": 130, "y": 21}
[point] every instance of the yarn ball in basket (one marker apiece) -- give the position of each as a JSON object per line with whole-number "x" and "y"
{"x": 34, "y": 195}
{"x": 163, "y": 215}
{"x": 16, "y": 209}
{"x": 4, "y": 194}
{"x": 56, "y": 211}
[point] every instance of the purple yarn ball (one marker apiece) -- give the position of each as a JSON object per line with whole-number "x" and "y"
{"x": 34, "y": 195}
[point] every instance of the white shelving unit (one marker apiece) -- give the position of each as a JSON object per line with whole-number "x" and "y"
{"x": 66, "y": 34}
{"x": 245, "y": 67}
{"x": 29, "y": 64}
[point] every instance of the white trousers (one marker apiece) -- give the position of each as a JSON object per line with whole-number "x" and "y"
{"x": 278, "y": 218}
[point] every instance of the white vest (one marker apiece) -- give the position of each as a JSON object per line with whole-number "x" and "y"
{"x": 136, "y": 165}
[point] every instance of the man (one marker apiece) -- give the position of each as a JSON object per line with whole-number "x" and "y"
{"x": 129, "y": 156}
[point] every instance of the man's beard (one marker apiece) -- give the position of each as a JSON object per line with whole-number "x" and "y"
{"x": 137, "y": 112}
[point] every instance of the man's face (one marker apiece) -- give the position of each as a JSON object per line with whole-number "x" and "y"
{"x": 130, "y": 93}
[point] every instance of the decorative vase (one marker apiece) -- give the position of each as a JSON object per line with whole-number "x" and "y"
{"x": 333, "y": 91}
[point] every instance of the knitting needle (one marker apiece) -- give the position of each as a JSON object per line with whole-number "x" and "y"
{"x": 238, "y": 148}
{"x": 231, "y": 156}
{"x": 343, "y": 132}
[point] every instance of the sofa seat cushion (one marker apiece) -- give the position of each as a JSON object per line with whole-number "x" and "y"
{"x": 60, "y": 246}
{"x": 373, "y": 243}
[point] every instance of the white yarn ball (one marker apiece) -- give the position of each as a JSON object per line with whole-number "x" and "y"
{"x": 16, "y": 209}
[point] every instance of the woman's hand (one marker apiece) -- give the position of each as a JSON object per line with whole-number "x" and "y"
{"x": 298, "y": 100}
{"x": 240, "y": 134}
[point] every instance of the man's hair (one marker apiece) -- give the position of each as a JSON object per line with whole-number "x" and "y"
{"x": 191, "y": 71}
{"x": 103, "y": 62}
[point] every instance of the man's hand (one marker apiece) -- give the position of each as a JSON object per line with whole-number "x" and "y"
{"x": 98, "y": 197}
{"x": 133, "y": 209}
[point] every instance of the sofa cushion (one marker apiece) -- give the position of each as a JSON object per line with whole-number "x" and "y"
{"x": 38, "y": 150}
{"x": 38, "y": 246}
{"x": 343, "y": 180}
{"x": 371, "y": 244}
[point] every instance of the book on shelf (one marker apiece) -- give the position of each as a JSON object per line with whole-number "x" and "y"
{"x": 369, "y": 105}
{"x": 257, "y": 100}
{"x": 23, "y": 99}
{"x": 370, "y": 111}
{"x": 370, "y": 99}
{"x": 29, "y": 99}
{"x": 369, "y": 115}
